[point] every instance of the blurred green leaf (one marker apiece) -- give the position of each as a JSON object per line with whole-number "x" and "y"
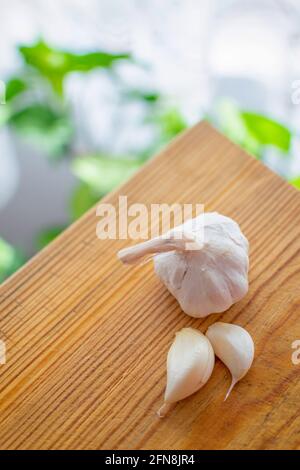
{"x": 103, "y": 174}
{"x": 83, "y": 198}
{"x": 266, "y": 131}
{"x": 54, "y": 63}
{"x": 252, "y": 131}
{"x": 48, "y": 235}
{"x": 171, "y": 123}
{"x": 140, "y": 95}
{"x": 233, "y": 126}
{"x": 14, "y": 87}
{"x": 10, "y": 259}
{"x": 7, "y": 254}
{"x": 296, "y": 182}
{"x": 5, "y": 113}
{"x": 45, "y": 128}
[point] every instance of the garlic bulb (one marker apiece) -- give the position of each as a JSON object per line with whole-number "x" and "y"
{"x": 190, "y": 363}
{"x": 234, "y": 346}
{"x": 204, "y": 280}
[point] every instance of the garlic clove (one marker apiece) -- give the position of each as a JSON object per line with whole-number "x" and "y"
{"x": 190, "y": 363}
{"x": 234, "y": 346}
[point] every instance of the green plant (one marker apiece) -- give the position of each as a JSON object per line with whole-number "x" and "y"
{"x": 296, "y": 182}
{"x": 47, "y": 235}
{"x": 252, "y": 131}
{"x": 55, "y": 64}
{"x": 11, "y": 259}
{"x": 36, "y": 109}
{"x": 37, "y": 112}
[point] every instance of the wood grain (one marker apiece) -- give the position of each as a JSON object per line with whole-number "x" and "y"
{"x": 87, "y": 337}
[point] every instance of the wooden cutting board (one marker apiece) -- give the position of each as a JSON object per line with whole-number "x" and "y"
{"x": 87, "y": 337}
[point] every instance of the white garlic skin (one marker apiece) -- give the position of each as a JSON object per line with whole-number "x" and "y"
{"x": 234, "y": 346}
{"x": 190, "y": 363}
{"x": 213, "y": 278}
{"x": 204, "y": 281}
